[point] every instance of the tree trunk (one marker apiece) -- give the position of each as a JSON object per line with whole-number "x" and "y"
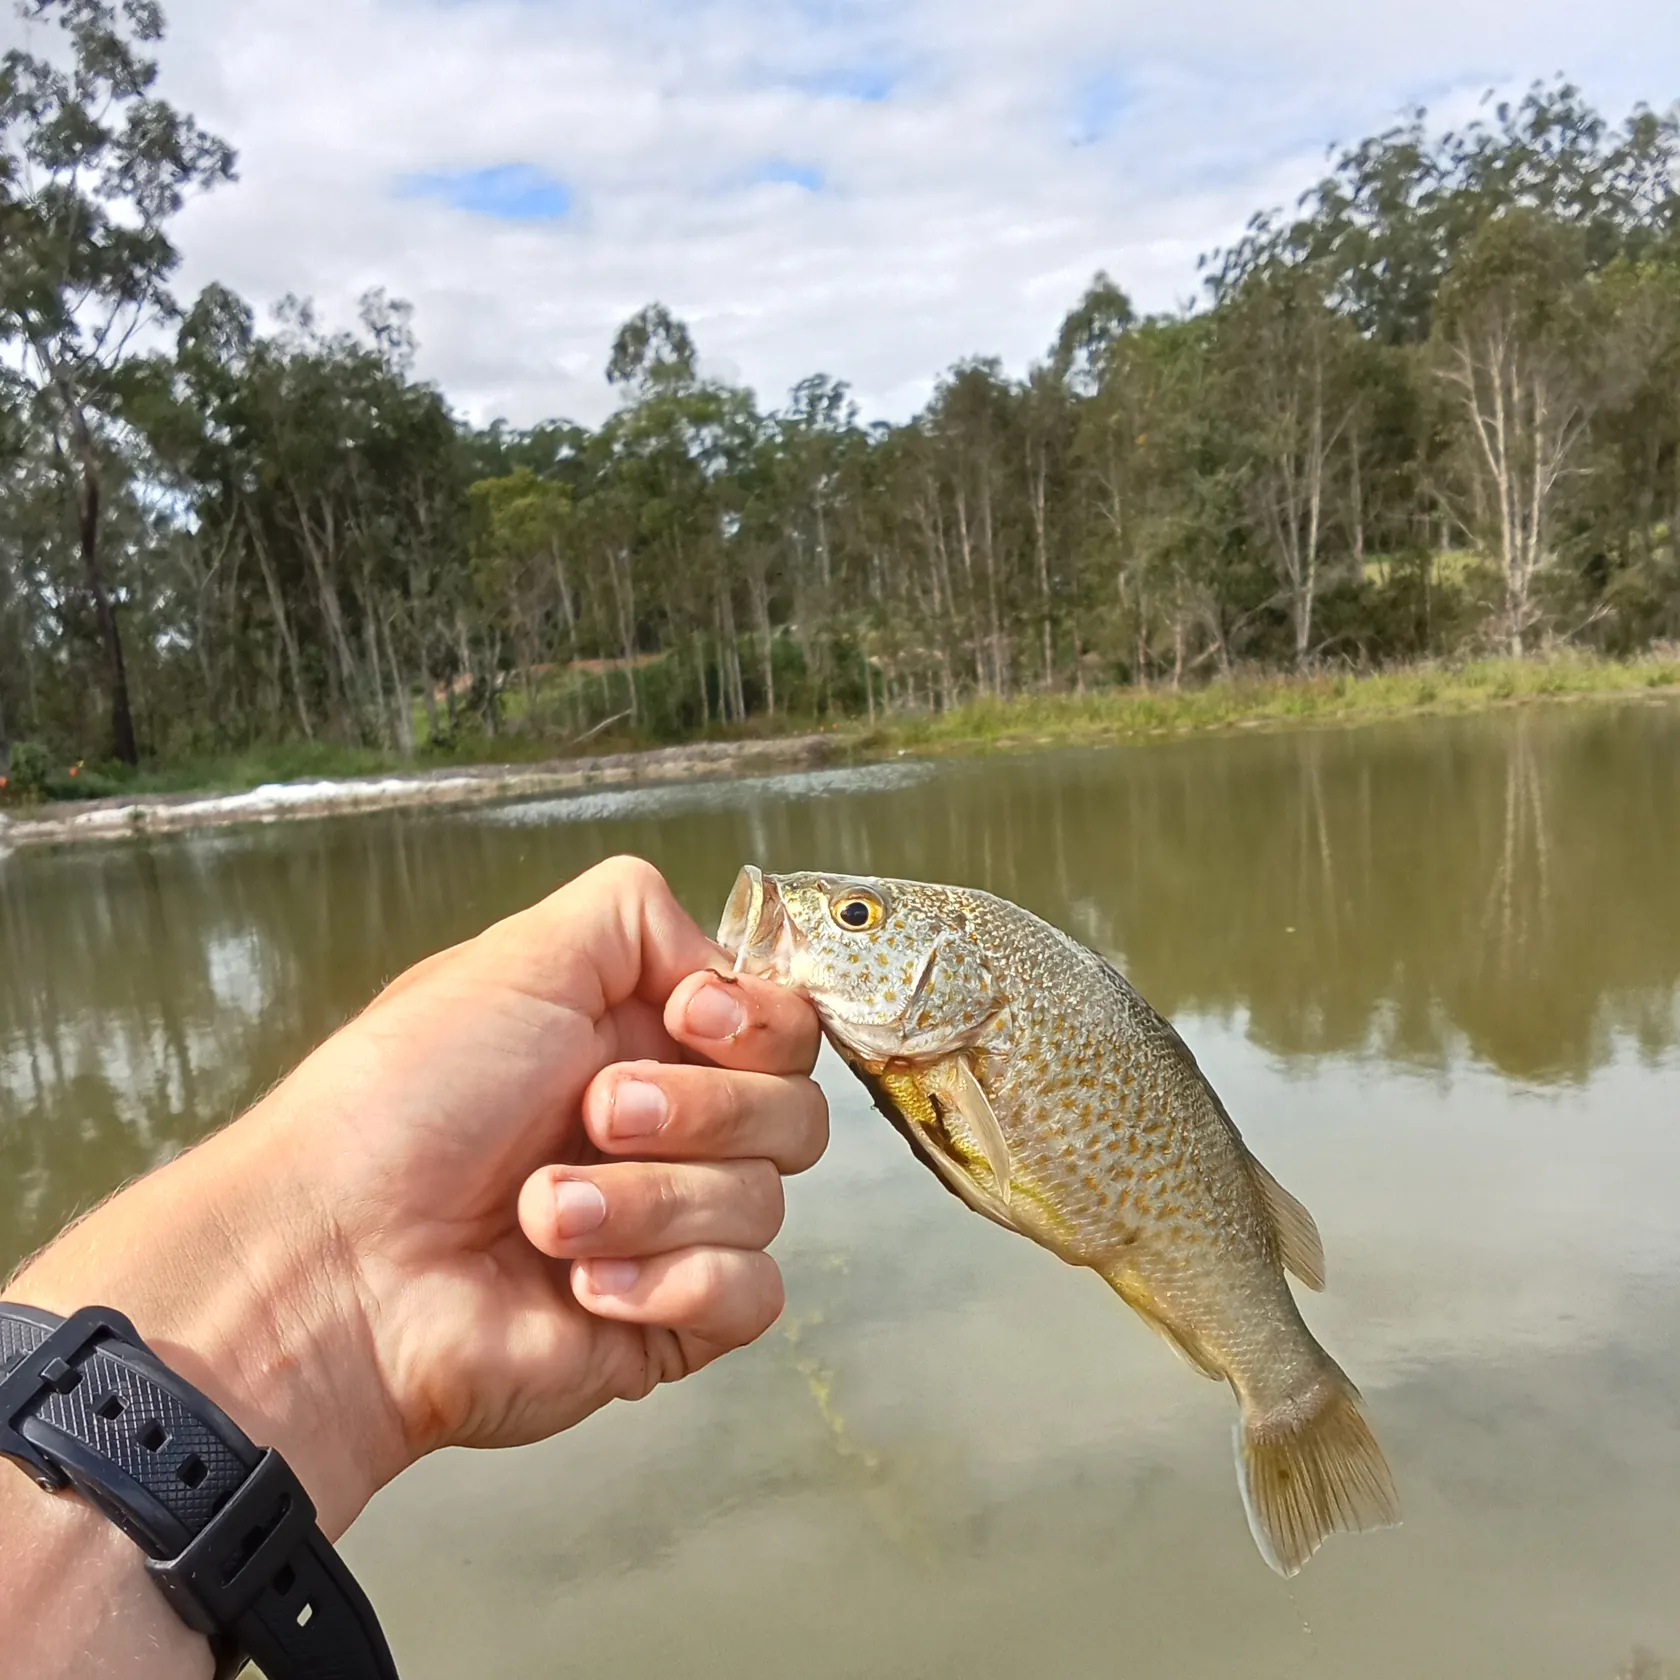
{"x": 404, "y": 705}
{"x": 988, "y": 553}
{"x": 761, "y": 612}
{"x": 1039, "y": 472}
{"x": 283, "y": 625}
{"x": 123, "y": 745}
{"x": 327, "y": 590}
{"x": 965, "y": 547}
{"x": 729, "y": 666}
{"x": 624, "y": 590}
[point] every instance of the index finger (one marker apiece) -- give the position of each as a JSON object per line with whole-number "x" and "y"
{"x": 744, "y": 1022}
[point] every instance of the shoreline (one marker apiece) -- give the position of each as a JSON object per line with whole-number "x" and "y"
{"x": 466, "y": 785}
{"x": 1024, "y": 722}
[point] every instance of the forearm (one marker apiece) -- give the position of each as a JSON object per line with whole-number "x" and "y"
{"x": 208, "y": 1260}
{"x": 75, "y": 1599}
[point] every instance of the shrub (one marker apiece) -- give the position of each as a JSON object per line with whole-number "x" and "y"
{"x": 30, "y": 770}
{"x": 80, "y": 784}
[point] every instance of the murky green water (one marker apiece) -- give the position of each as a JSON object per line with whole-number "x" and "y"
{"x": 1435, "y": 972}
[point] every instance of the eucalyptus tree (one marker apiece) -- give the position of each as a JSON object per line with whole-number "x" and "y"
{"x": 1290, "y": 380}
{"x": 1391, "y": 217}
{"x": 95, "y": 166}
{"x": 522, "y": 534}
{"x": 1518, "y": 346}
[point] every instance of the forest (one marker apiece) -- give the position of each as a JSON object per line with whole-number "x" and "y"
{"x": 1429, "y": 411}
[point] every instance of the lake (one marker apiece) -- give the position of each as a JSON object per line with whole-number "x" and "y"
{"x": 1432, "y": 967}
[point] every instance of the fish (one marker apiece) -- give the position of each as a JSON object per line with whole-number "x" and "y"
{"x": 1039, "y": 1087}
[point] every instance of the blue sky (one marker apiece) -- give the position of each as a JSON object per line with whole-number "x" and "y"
{"x": 865, "y": 188}
{"x": 504, "y": 192}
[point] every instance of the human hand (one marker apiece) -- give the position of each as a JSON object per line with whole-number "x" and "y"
{"x": 461, "y": 1220}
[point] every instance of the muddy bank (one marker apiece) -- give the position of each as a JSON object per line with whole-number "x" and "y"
{"x": 118, "y": 819}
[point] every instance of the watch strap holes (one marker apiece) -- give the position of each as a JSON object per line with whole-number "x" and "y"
{"x": 110, "y": 1406}
{"x": 254, "y": 1537}
{"x": 285, "y": 1580}
{"x": 152, "y": 1435}
{"x": 305, "y": 1615}
{"x": 191, "y": 1470}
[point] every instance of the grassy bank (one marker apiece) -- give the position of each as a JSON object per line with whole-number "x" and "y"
{"x": 1271, "y": 701}
{"x": 1245, "y": 702}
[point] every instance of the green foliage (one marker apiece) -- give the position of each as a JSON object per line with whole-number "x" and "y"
{"x": 300, "y": 561}
{"x": 28, "y": 770}
{"x": 82, "y": 784}
{"x": 92, "y": 167}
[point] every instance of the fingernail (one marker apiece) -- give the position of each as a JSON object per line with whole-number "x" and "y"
{"x": 715, "y": 1012}
{"x": 612, "y": 1277}
{"x": 578, "y": 1207}
{"x": 637, "y": 1109}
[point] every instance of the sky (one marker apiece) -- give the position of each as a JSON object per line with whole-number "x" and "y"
{"x": 872, "y": 189}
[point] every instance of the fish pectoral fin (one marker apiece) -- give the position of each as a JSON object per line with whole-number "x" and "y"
{"x": 1300, "y": 1247}
{"x": 915, "y": 1111}
{"x": 1130, "y": 1288}
{"x": 956, "y": 1082}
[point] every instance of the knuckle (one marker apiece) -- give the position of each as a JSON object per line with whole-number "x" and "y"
{"x": 711, "y": 1279}
{"x": 666, "y": 1200}
{"x": 634, "y": 874}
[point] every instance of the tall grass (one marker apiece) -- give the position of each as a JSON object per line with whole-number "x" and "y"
{"x": 1242, "y": 702}
{"x": 1255, "y": 701}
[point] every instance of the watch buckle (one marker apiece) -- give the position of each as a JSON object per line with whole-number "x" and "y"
{"x": 235, "y": 1557}
{"x": 46, "y": 1368}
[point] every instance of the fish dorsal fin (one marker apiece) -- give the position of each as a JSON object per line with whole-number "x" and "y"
{"x": 954, "y": 1081}
{"x": 1299, "y": 1245}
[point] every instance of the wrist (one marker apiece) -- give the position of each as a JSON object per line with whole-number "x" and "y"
{"x": 240, "y": 1285}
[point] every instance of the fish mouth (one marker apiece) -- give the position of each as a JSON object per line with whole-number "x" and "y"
{"x": 756, "y": 928}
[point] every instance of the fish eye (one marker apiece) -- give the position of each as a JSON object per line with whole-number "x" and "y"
{"x": 858, "y": 911}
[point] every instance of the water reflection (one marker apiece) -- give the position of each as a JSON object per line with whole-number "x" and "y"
{"x": 1434, "y": 968}
{"x": 1500, "y": 887}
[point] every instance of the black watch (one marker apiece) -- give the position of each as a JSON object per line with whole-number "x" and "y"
{"x": 228, "y": 1531}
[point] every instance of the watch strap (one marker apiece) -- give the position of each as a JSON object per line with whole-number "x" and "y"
{"x": 228, "y": 1531}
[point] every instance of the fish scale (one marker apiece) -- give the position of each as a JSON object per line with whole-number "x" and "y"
{"x": 1038, "y": 1085}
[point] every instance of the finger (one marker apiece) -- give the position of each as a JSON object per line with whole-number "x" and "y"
{"x": 680, "y": 1111}
{"x": 724, "y": 1296}
{"x": 744, "y": 1022}
{"x": 641, "y": 1208}
{"x": 616, "y": 931}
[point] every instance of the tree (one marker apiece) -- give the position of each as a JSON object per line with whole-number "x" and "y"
{"x": 1460, "y": 351}
{"x": 1286, "y": 359}
{"x": 1514, "y": 334}
{"x": 94, "y": 168}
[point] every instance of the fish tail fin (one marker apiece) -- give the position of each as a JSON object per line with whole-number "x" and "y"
{"x": 1308, "y": 1467}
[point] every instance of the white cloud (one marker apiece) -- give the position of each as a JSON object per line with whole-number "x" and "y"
{"x": 1015, "y": 150}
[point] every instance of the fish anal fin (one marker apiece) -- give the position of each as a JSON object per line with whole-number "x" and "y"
{"x": 1309, "y": 1468}
{"x": 1299, "y": 1246}
{"x": 955, "y": 1082}
{"x": 1131, "y": 1290}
